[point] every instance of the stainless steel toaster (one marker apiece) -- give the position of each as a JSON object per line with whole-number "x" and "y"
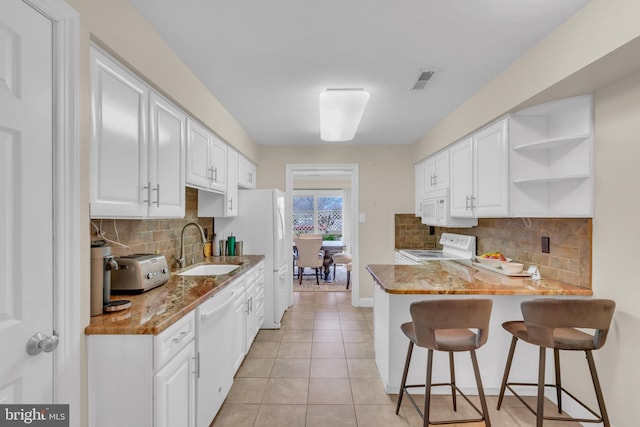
{"x": 139, "y": 273}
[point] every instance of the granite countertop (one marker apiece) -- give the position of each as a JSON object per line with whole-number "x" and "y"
{"x": 452, "y": 278}
{"x": 154, "y": 311}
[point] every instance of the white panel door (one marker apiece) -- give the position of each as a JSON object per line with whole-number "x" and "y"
{"x": 491, "y": 166}
{"x": 166, "y": 159}
{"x": 119, "y": 141}
{"x": 198, "y": 166}
{"x": 26, "y": 202}
{"x": 218, "y": 165}
{"x": 175, "y": 391}
{"x": 461, "y": 156}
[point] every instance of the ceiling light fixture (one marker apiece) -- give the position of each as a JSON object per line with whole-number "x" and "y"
{"x": 340, "y": 113}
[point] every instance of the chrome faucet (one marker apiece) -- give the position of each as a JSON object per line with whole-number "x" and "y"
{"x": 181, "y": 261}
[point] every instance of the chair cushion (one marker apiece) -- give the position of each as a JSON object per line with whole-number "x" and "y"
{"x": 446, "y": 339}
{"x": 342, "y": 258}
{"x": 563, "y": 338}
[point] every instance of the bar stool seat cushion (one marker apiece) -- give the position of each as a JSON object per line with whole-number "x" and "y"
{"x": 563, "y": 338}
{"x": 445, "y": 339}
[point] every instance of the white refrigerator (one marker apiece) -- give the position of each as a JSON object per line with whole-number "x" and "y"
{"x": 260, "y": 224}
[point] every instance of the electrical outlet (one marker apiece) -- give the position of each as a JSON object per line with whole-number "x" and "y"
{"x": 545, "y": 245}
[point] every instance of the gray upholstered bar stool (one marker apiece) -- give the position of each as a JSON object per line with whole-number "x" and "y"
{"x": 554, "y": 323}
{"x": 447, "y": 325}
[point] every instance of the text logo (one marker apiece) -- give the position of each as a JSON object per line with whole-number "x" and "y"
{"x": 34, "y": 415}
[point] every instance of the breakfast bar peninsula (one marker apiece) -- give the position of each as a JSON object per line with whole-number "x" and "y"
{"x": 400, "y": 285}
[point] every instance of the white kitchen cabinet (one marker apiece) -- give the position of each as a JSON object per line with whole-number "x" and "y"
{"x": 137, "y": 146}
{"x": 167, "y": 135}
{"x": 147, "y": 380}
{"x": 246, "y": 173}
{"x": 551, "y": 159}
{"x": 174, "y": 389}
{"x": 250, "y": 322}
{"x": 119, "y": 140}
{"x": 436, "y": 172}
{"x": 222, "y": 205}
{"x": 240, "y": 314}
{"x": 480, "y": 173}
{"x": 206, "y": 159}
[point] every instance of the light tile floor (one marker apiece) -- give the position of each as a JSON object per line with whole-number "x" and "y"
{"x": 319, "y": 371}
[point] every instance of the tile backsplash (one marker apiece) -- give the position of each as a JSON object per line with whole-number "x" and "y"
{"x": 569, "y": 259}
{"x": 157, "y": 235}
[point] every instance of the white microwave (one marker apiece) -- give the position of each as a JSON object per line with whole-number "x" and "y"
{"x": 436, "y": 212}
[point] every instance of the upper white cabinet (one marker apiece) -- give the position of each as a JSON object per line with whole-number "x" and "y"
{"x": 166, "y": 158}
{"x": 222, "y": 205}
{"x": 119, "y": 140}
{"x": 246, "y": 173}
{"x": 552, "y": 159}
{"x": 137, "y": 146}
{"x": 206, "y": 159}
{"x": 436, "y": 172}
{"x": 480, "y": 173}
{"x": 432, "y": 174}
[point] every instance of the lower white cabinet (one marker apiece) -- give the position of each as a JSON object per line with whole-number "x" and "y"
{"x": 174, "y": 389}
{"x": 143, "y": 380}
{"x": 240, "y": 313}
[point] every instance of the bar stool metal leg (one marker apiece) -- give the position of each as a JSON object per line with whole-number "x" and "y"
{"x": 507, "y": 368}
{"x": 427, "y": 391}
{"x": 404, "y": 376}
{"x": 556, "y": 360}
{"x": 453, "y": 381}
{"x": 598, "y": 390}
{"x": 483, "y": 401}
{"x": 540, "y": 406}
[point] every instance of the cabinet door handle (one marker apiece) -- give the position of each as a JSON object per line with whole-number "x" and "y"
{"x": 214, "y": 175}
{"x": 210, "y": 178}
{"x": 435, "y": 180}
{"x": 197, "y": 365}
{"x": 466, "y": 203}
{"x": 157, "y": 190}
{"x": 148, "y": 188}
{"x": 180, "y": 337}
{"x": 230, "y": 203}
{"x": 473, "y": 203}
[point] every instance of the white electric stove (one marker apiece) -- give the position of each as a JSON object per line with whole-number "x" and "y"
{"x": 457, "y": 247}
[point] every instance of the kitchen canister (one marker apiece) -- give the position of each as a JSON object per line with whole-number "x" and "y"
{"x": 223, "y": 247}
{"x": 239, "y": 248}
{"x": 231, "y": 245}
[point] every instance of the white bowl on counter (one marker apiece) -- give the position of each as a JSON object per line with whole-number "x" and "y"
{"x": 511, "y": 267}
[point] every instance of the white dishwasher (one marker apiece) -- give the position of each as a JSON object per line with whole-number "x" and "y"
{"x": 215, "y": 320}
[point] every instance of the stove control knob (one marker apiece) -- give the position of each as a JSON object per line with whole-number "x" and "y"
{"x": 148, "y": 275}
{"x": 165, "y": 270}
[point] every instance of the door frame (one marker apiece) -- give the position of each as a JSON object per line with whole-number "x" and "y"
{"x": 347, "y": 169}
{"x": 67, "y": 360}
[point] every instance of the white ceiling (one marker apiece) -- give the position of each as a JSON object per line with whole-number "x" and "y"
{"x": 267, "y": 61}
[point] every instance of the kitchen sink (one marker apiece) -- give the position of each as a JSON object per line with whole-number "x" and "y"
{"x": 209, "y": 270}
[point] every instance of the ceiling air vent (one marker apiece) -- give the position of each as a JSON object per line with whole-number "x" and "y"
{"x": 423, "y": 79}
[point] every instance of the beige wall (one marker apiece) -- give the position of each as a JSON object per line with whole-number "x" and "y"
{"x": 386, "y": 187}
{"x": 615, "y": 242}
